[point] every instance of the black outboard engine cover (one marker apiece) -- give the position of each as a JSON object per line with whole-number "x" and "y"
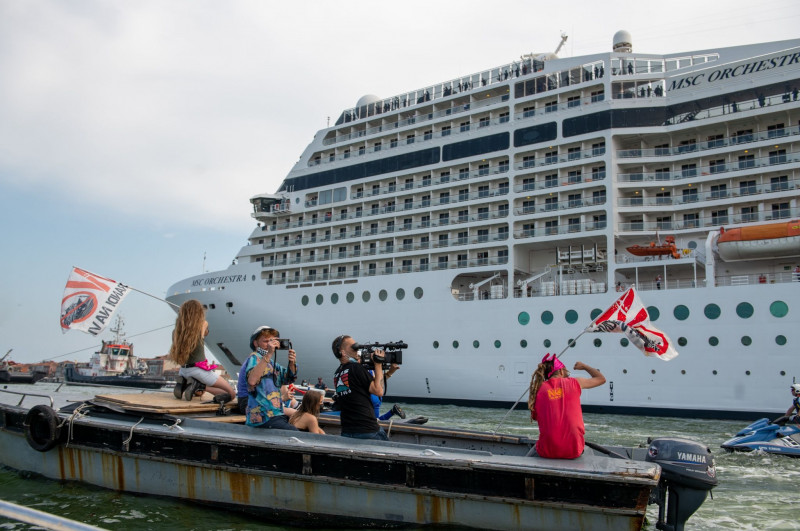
{"x": 688, "y": 475}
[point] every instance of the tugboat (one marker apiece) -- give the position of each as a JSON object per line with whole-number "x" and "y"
{"x": 11, "y": 372}
{"x": 115, "y": 364}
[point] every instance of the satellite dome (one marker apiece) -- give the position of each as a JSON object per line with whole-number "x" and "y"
{"x": 363, "y": 101}
{"x": 623, "y": 42}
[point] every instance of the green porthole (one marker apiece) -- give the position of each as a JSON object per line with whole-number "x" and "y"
{"x": 744, "y": 310}
{"x": 304, "y": 300}
{"x": 682, "y": 341}
{"x": 712, "y": 311}
{"x": 350, "y": 296}
{"x": 747, "y": 341}
{"x": 400, "y": 294}
{"x": 476, "y": 343}
{"x": 320, "y": 299}
{"x": 435, "y": 344}
{"x": 497, "y": 343}
{"x": 571, "y": 343}
{"x": 713, "y": 341}
{"x": 597, "y": 342}
{"x": 779, "y": 309}
{"x": 780, "y": 340}
{"x": 382, "y": 295}
{"x": 523, "y": 318}
{"x": 653, "y": 312}
{"x": 681, "y": 312}
{"x": 455, "y": 344}
{"x": 595, "y": 313}
{"x": 624, "y": 341}
{"x": 417, "y": 293}
{"x": 334, "y": 298}
{"x": 571, "y": 316}
{"x": 523, "y": 343}
{"x": 547, "y": 317}
{"x": 547, "y": 343}
{"x": 365, "y": 296}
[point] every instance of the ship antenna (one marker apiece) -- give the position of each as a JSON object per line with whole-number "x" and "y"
{"x": 117, "y": 329}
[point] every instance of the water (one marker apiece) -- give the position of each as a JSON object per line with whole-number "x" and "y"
{"x": 756, "y": 491}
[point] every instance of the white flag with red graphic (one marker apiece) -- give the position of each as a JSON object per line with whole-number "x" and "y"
{"x": 629, "y": 316}
{"x": 90, "y": 301}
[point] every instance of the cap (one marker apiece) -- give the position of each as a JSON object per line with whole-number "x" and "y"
{"x": 795, "y": 388}
{"x": 557, "y": 365}
{"x": 255, "y": 335}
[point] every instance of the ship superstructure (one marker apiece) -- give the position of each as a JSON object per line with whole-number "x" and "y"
{"x": 485, "y": 220}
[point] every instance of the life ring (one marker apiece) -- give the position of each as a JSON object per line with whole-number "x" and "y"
{"x": 42, "y": 430}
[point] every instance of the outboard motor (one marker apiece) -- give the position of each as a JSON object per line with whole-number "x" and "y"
{"x": 688, "y": 474}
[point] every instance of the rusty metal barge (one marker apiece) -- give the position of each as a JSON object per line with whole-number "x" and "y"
{"x": 425, "y": 475}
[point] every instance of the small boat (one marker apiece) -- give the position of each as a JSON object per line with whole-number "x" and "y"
{"x": 114, "y": 364}
{"x": 17, "y": 373}
{"x": 656, "y": 249}
{"x": 154, "y": 444}
{"x": 781, "y": 436}
{"x": 760, "y": 242}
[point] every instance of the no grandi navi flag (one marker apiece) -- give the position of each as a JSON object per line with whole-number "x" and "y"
{"x": 90, "y": 301}
{"x": 629, "y": 316}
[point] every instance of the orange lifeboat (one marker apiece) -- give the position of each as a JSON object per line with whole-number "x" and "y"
{"x": 760, "y": 242}
{"x": 656, "y": 249}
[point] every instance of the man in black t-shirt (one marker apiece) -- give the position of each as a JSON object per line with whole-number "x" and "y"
{"x": 353, "y": 385}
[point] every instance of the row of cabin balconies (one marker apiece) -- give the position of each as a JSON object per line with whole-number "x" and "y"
{"x": 552, "y": 227}
{"x": 735, "y": 140}
{"x": 746, "y": 189}
{"x": 714, "y": 221}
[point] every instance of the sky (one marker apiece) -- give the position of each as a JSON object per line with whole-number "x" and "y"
{"x": 132, "y": 134}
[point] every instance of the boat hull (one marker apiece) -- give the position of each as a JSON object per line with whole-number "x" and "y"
{"x": 143, "y": 382}
{"x": 21, "y": 377}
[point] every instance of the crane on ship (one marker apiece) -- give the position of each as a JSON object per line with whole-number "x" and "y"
{"x": 476, "y": 286}
{"x": 546, "y": 56}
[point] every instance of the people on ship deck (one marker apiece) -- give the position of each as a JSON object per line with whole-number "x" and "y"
{"x": 188, "y": 351}
{"x": 306, "y": 418}
{"x": 264, "y": 378}
{"x": 555, "y": 403}
{"x": 354, "y": 384}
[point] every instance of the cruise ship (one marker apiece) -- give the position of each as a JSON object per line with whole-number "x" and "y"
{"x": 487, "y": 220}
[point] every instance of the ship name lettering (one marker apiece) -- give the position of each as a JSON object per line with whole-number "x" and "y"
{"x": 219, "y": 280}
{"x": 736, "y": 71}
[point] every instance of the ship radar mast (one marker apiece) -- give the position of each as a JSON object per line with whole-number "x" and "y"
{"x": 119, "y": 335}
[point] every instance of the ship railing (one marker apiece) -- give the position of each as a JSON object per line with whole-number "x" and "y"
{"x": 732, "y": 107}
{"x": 24, "y": 394}
{"x": 559, "y": 230}
{"x": 777, "y": 158}
{"x": 694, "y": 255}
{"x": 577, "y": 102}
{"x": 41, "y": 519}
{"x": 589, "y": 153}
{"x": 709, "y": 222}
{"x": 737, "y": 140}
{"x": 549, "y": 182}
{"x": 781, "y": 185}
{"x": 567, "y": 204}
{"x": 780, "y": 277}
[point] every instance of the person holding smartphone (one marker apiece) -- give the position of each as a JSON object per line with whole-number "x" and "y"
{"x": 264, "y": 377}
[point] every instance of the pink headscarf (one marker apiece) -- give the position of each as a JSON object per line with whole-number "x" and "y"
{"x": 557, "y": 365}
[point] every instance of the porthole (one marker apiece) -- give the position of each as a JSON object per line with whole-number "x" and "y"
{"x": 350, "y": 296}
{"x": 712, "y": 311}
{"x": 523, "y": 318}
{"x": 417, "y": 293}
{"x": 714, "y": 372}
{"x": 780, "y": 340}
{"x": 400, "y": 294}
{"x": 683, "y": 371}
{"x": 654, "y": 313}
{"x": 779, "y": 309}
{"x": 320, "y": 300}
{"x": 523, "y": 343}
{"x": 747, "y": 341}
{"x": 383, "y": 295}
{"x": 547, "y": 317}
{"x": 624, "y": 371}
{"x": 783, "y": 373}
{"x": 253, "y": 278}
{"x": 681, "y": 312}
{"x": 692, "y": 244}
{"x": 365, "y": 296}
{"x": 476, "y": 344}
{"x": 713, "y": 341}
{"x": 497, "y": 343}
{"x": 455, "y": 344}
{"x": 571, "y": 343}
{"x": 595, "y": 313}
{"x": 652, "y": 371}
{"x": 682, "y": 341}
{"x": 571, "y": 316}
{"x": 624, "y": 341}
{"x": 334, "y": 298}
{"x": 597, "y": 342}
{"x": 304, "y": 300}
{"x": 747, "y": 373}
{"x": 547, "y": 343}
{"x": 744, "y": 310}
{"x": 435, "y": 344}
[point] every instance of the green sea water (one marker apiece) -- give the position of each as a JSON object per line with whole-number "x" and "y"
{"x": 755, "y": 492}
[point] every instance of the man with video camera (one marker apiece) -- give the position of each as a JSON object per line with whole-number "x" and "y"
{"x": 353, "y": 385}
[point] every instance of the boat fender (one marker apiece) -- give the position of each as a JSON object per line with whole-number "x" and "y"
{"x": 42, "y": 430}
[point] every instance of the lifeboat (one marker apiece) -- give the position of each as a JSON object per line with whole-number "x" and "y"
{"x": 760, "y": 242}
{"x": 656, "y": 249}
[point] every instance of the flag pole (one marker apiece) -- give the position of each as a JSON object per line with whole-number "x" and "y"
{"x": 149, "y": 295}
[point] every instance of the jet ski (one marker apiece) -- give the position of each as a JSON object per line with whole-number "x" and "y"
{"x": 780, "y": 436}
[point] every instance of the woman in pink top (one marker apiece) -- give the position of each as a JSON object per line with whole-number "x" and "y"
{"x": 555, "y": 403}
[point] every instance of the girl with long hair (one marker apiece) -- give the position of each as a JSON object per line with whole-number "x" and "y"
{"x": 188, "y": 351}
{"x": 306, "y": 418}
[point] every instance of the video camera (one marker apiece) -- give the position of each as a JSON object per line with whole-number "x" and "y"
{"x": 392, "y": 353}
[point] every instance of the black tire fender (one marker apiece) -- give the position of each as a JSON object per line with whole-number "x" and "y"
{"x": 41, "y": 428}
